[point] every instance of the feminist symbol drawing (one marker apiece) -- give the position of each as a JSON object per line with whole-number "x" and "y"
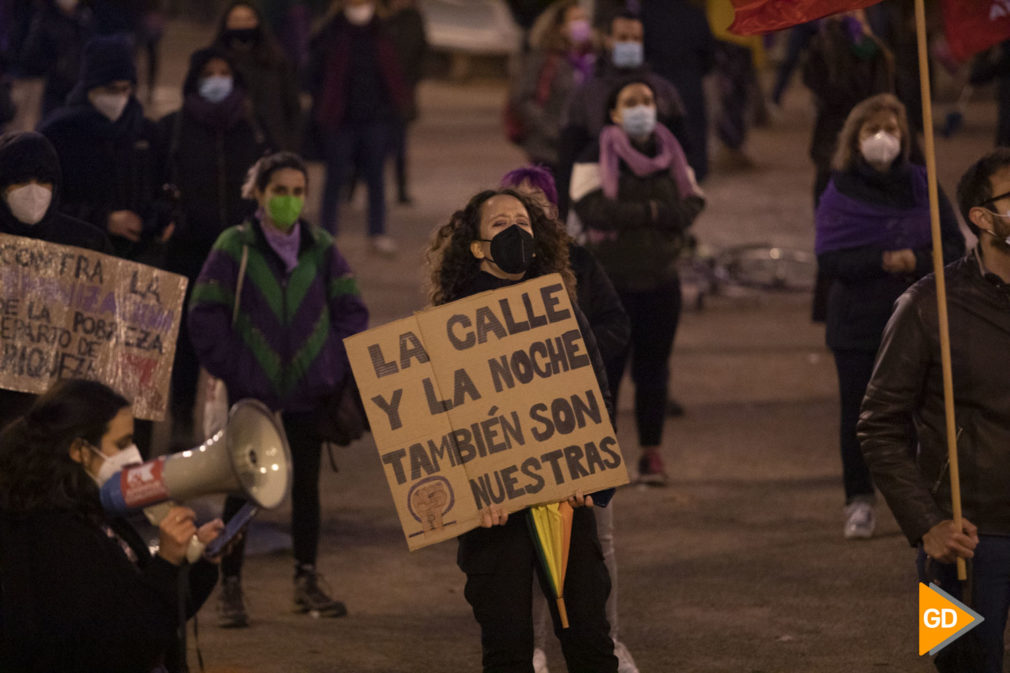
{"x": 429, "y": 500}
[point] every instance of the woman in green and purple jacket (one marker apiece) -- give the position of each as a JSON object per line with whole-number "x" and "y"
{"x": 282, "y": 344}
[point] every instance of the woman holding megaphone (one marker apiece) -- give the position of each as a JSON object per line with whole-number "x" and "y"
{"x": 80, "y": 591}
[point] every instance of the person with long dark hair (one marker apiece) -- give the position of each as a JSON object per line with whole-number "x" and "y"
{"x": 873, "y": 239}
{"x": 270, "y": 79}
{"x": 80, "y": 591}
{"x": 636, "y": 197}
{"x": 497, "y": 240}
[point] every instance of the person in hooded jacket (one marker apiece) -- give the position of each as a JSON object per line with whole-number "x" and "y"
{"x": 269, "y": 77}
{"x": 30, "y": 186}
{"x": 54, "y": 46}
{"x": 113, "y": 171}
{"x": 211, "y": 142}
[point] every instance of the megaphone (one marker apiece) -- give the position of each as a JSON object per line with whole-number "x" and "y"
{"x": 249, "y": 457}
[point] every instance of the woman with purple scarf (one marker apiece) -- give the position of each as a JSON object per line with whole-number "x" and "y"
{"x": 873, "y": 239}
{"x": 560, "y": 60}
{"x": 636, "y": 197}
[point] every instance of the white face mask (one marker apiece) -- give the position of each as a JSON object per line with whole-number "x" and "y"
{"x": 359, "y": 15}
{"x": 67, "y": 5}
{"x": 112, "y": 465}
{"x": 29, "y": 203}
{"x": 111, "y": 105}
{"x": 880, "y": 148}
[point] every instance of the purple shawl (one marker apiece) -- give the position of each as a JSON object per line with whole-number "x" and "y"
{"x": 844, "y": 222}
{"x": 615, "y": 146}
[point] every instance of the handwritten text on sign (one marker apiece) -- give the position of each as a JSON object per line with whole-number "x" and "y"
{"x": 491, "y": 399}
{"x": 72, "y": 313}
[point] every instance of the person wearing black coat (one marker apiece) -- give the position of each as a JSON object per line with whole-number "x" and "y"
{"x": 54, "y": 47}
{"x": 211, "y": 142}
{"x": 873, "y": 239}
{"x": 405, "y": 26}
{"x": 113, "y": 171}
{"x": 28, "y": 159}
{"x": 270, "y": 79}
{"x": 79, "y": 591}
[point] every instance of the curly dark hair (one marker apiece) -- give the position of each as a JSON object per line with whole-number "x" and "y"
{"x": 452, "y": 267}
{"x": 36, "y": 471}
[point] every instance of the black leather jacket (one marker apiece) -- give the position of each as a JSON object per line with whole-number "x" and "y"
{"x": 907, "y": 386}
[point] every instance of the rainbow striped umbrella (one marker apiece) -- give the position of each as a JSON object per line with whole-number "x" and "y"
{"x": 551, "y": 529}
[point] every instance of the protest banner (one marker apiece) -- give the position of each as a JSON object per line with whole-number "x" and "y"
{"x": 67, "y": 312}
{"x": 491, "y": 399}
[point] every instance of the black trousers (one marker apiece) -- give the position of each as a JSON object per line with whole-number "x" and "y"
{"x": 654, "y": 315}
{"x": 854, "y": 370}
{"x": 499, "y": 563}
{"x": 306, "y": 456}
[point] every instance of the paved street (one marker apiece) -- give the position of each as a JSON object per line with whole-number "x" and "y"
{"x": 738, "y": 566}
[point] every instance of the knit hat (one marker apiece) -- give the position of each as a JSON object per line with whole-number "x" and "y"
{"x": 106, "y": 59}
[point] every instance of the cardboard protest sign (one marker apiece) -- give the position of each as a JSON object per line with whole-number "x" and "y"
{"x": 491, "y": 399}
{"x": 67, "y": 312}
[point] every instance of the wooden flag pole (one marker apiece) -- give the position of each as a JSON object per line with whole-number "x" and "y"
{"x": 941, "y": 285}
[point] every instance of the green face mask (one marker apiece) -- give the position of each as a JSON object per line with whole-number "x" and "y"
{"x": 284, "y": 210}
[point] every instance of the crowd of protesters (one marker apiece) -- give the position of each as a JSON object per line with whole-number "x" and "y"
{"x": 611, "y": 112}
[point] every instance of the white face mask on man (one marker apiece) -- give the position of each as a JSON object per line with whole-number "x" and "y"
{"x": 29, "y": 203}
{"x": 111, "y": 465}
{"x": 111, "y": 105}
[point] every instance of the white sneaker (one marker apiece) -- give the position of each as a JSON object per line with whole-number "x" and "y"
{"x": 384, "y": 245}
{"x": 540, "y": 661}
{"x": 860, "y": 519}
{"x": 625, "y": 662}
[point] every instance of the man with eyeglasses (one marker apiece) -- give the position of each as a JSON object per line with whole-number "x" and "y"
{"x": 902, "y": 427}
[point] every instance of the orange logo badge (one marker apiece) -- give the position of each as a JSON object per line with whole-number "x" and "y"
{"x": 942, "y": 619}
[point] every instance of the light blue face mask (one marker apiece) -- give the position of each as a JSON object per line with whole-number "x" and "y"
{"x": 639, "y": 121}
{"x": 216, "y": 87}
{"x": 628, "y": 54}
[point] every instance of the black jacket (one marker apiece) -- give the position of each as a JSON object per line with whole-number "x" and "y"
{"x": 207, "y": 159}
{"x": 643, "y": 252}
{"x": 109, "y": 166}
{"x": 73, "y": 602}
{"x": 601, "y": 305}
{"x": 907, "y": 386}
{"x": 863, "y": 293}
{"x": 839, "y": 79}
{"x": 53, "y": 50}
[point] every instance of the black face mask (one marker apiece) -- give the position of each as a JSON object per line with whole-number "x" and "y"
{"x": 244, "y": 35}
{"x": 512, "y": 250}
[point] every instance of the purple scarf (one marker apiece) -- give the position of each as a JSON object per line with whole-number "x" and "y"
{"x": 844, "y": 223}
{"x": 285, "y": 245}
{"x": 582, "y": 65}
{"x": 616, "y": 146}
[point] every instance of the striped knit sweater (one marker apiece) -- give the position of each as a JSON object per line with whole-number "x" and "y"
{"x": 285, "y": 347}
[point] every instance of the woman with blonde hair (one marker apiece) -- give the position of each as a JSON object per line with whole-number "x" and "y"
{"x": 873, "y": 239}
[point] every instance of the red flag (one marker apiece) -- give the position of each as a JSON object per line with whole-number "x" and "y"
{"x": 974, "y": 25}
{"x": 764, "y": 16}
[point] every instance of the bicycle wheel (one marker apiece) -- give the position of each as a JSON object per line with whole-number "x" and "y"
{"x": 769, "y": 267}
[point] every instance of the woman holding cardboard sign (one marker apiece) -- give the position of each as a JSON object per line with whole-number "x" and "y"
{"x": 497, "y": 240}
